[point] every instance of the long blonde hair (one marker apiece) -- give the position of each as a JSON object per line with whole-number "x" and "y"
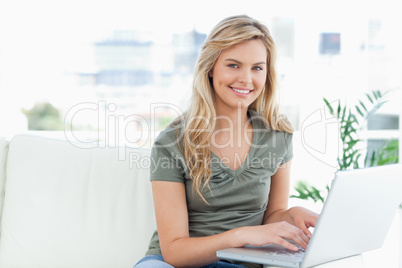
{"x": 199, "y": 120}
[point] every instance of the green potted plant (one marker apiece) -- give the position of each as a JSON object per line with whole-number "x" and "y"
{"x": 352, "y": 121}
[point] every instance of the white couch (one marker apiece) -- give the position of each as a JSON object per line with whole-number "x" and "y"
{"x": 65, "y": 206}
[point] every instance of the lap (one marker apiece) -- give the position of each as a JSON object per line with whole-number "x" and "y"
{"x": 156, "y": 261}
{"x": 151, "y": 261}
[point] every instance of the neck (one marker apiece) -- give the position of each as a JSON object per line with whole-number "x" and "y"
{"x": 231, "y": 118}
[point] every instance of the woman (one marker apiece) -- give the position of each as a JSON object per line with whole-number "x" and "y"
{"x": 221, "y": 173}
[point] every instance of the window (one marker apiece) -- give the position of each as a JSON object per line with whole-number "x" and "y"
{"x": 139, "y": 59}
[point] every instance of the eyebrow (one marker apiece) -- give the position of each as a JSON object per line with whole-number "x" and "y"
{"x": 239, "y": 62}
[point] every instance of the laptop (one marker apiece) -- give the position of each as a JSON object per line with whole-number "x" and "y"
{"x": 356, "y": 217}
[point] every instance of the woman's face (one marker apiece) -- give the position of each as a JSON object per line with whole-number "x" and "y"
{"x": 239, "y": 74}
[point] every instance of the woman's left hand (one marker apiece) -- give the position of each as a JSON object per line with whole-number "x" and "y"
{"x": 303, "y": 219}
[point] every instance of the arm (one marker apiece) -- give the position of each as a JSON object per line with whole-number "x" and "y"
{"x": 179, "y": 250}
{"x": 278, "y": 202}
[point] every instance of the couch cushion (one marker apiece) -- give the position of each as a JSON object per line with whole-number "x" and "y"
{"x": 67, "y": 206}
{"x": 3, "y": 160}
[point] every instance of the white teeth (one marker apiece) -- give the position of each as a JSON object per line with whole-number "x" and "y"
{"x": 241, "y": 91}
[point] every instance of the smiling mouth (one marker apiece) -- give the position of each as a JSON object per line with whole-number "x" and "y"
{"x": 241, "y": 91}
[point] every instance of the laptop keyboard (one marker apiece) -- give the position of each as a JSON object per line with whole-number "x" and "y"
{"x": 286, "y": 253}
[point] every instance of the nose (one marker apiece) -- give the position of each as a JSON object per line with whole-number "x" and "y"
{"x": 245, "y": 77}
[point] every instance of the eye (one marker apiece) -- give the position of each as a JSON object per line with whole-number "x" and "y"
{"x": 232, "y": 65}
{"x": 257, "y": 68}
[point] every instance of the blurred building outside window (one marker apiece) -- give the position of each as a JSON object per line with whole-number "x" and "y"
{"x": 130, "y": 80}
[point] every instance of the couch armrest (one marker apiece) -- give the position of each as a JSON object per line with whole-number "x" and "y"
{"x": 3, "y": 160}
{"x": 400, "y": 235}
{"x": 67, "y": 206}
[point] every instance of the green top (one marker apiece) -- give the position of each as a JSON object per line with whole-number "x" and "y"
{"x": 236, "y": 197}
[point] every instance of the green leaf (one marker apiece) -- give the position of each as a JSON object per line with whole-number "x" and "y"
{"x": 370, "y": 99}
{"x": 354, "y": 118}
{"x": 388, "y": 153}
{"x": 387, "y": 161}
{"x": 352, "y": 143}
{"x": 317, "y": 194}
{"x": 306, "y": 191}
{"x": 362, "y": 105}
{"x": 343, "y": 113}
{"x": 358, "y": 110}
{"x": 356, "y": 161}
{"x": 331, "y": 111}
{"x": 372, "y": 160}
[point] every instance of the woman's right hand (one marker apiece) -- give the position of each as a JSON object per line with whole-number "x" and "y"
{"x": 274, "y": 233}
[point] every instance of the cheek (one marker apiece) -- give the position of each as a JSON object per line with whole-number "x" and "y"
{"x": 222, "y": 80}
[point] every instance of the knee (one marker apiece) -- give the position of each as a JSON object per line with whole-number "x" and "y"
{"x": 153, "y": 264}
{"x": 153, "y": 261}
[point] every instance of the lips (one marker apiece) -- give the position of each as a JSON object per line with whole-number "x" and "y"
{"x": 241, "y": 90}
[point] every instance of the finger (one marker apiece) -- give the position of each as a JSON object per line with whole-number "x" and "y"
{"x": 311, "y": 223}
{"x": 304, "y": 234}
{"x": 297, "y": 235}
{"x": 300, "y": 239}
{"x": 312, "y": 220}
{"x": 308, "y": 234}
{"x": 282, "y": 242}
{"x": 304, "y": 227}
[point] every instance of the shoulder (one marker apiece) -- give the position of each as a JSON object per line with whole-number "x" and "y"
{"x": 170, "y": 136}
{"x": 167, "y": 159}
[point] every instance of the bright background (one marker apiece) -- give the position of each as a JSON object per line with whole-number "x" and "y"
{"x": 124, "y": 67}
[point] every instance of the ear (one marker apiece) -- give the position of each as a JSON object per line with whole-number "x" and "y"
{"x": 210, "y": 73}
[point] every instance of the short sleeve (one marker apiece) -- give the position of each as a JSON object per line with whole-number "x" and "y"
{"x": 166, "y": 164}
{"x": 289, "y": 147}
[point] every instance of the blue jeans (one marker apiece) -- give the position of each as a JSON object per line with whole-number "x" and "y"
{"x": 156, "y": 261}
